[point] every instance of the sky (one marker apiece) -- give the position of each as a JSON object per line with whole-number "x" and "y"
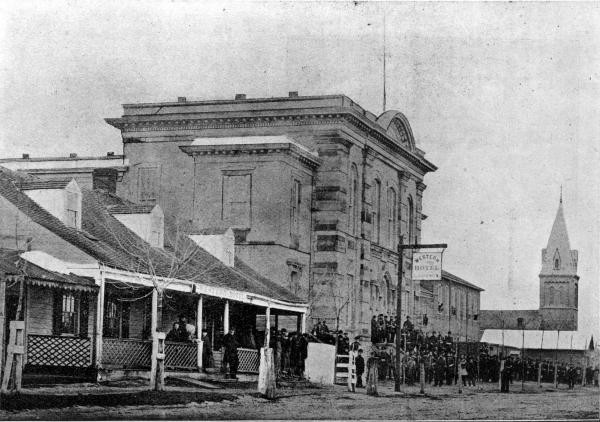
{"x": 503, "y": 97}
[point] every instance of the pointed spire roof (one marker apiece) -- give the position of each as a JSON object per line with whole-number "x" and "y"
{"x": 559, "y": 237}
{"x": 558, "y": 258}
{"x": 591, "y": 346}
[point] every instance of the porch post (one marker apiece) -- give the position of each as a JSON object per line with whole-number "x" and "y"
{"x": 2, "y": 319}
{"x": 153, "y": 327}
{"x": 100, "y": 320}
{"x": 268, "y": 327}
{"x": 199, "y": 329}
{"x": 154, "y": 318}
{"x": 303, "y": 323}
{"x": 226, "y": 318}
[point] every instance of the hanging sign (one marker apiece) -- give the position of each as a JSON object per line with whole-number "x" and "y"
{"x": 427, "y": 265}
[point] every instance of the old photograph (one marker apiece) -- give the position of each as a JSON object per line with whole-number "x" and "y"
{"x": 299, "y": 210}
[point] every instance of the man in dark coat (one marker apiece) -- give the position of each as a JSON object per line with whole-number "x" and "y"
{"x": 374, "y": 330}
{"x": 505, "y": 376}
{"x": 207, "y": 356}
{"x": 360, "y": 368}
{"x": 440, "y": 370}
{"x": 230, "y": 356}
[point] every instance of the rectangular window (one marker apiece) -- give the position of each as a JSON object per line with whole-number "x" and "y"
{"x": 295, "y": 206}
{"x": 69, "y": 313}
{"x": 72, "y": 209}
{"x": 236, "y": 200}
{"x": 147, "y": 184}
{"x": 116, "y": 319}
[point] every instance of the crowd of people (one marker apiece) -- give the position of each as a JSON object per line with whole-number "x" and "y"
{"x": 444, "y": 361}
{"x": 290, "y": 351}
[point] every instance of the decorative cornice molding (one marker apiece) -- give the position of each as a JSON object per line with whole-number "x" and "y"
{"x": 287, "y": 149}
{"x": 126, "y": 125}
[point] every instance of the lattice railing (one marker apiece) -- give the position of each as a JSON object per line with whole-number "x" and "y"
{"x": 181, "y": 355}
{"x": 126, "y": 353}
{"x": 249, "y": 360}
{"x": 72, "y": 352}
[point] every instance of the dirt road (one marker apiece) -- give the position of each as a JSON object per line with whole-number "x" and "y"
{"x": 336, "y": 403}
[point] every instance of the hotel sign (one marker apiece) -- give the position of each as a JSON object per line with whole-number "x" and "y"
{"x": 427, "y": 266}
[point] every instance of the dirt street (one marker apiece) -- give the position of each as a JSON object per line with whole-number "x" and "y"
{"x": 336, "y": 403}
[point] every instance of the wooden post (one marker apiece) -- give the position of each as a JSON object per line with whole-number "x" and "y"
{"x": 100, "y": 319}
{"x": 14, "y": 356}
{"x": 2, "y": 319}
{"x": 303, "y": 323}
{"x": 266, "y": 374}
{"x": 268, "y": 327}
{"x": 158, "y": 358}
{"x": 422, "y": 378}
{"x": 226, "y": 318}
{"x": 540, "y": 374}
{"x": 153, "y": 328}
{"x": 372, "y": 376}
{"x": 556, "y": 361}
{"x": 199, "y": 322}
{"x": 351, "y": 380}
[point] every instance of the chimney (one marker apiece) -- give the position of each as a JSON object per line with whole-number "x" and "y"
{"x": 240, "y": 96}
{"x": 25, "y": 156}
{"x": 293, "y": 94}
{"x": 181, "y": 99}
{"x": 105, "y": 178}
{"x": 72, "y": 155}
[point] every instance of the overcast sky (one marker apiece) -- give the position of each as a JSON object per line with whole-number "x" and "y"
{"x": 503, "y": 97}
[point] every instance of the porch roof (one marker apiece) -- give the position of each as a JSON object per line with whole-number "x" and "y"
{"x": 107, "y": 240}
{"x": 15, "y": 268}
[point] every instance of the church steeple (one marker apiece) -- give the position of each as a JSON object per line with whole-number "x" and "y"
{"x": 558, "y": 276}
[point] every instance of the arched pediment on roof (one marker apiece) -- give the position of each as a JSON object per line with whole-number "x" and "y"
{"x": 397, "y": 127}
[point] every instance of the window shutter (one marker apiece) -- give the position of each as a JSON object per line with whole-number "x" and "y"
{"x": 57, "y": 313}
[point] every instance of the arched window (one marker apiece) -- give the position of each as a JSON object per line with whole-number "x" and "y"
{"x": 376, "y": 201}
{"x": 556, "y": 260}
{"x": 352, "y": 200}
{"x": 411, "y": 219}
{"x": 392, "y": 218}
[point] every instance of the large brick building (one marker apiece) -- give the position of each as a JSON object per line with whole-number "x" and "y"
{"x": 317, "y": 189}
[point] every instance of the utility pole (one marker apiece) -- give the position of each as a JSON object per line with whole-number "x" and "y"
{"x": 401, "y": 248}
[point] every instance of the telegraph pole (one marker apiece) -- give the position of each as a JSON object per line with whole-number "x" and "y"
{"x": 401, "y": 248}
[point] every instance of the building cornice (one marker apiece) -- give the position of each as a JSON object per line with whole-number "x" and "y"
{"x": 160, "y": 123}
{"x": 292, "y": 150}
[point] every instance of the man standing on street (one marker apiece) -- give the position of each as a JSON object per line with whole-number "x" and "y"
{"x": 231, "y": 353}
{"x": 360, "y": 368}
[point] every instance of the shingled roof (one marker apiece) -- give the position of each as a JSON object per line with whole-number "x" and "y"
{"x": 110, "y": 242}
{"x": 44, "y": 184}
{"x": 14, "y": 267}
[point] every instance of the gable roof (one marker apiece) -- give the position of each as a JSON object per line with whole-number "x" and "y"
{"x": 451, "y": 277}
{"x": 110, "y": 242}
